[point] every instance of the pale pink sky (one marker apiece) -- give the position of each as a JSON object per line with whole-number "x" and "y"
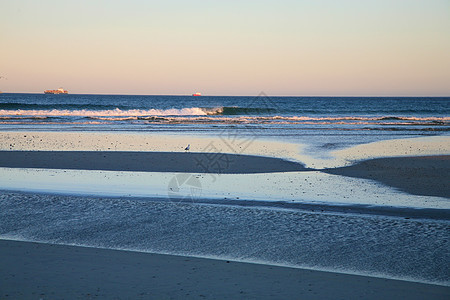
{"x": 227, "y": 47}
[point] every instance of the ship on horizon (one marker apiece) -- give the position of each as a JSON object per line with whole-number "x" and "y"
{"x": 197, "y": 94}
{"x": 58, "y": 91}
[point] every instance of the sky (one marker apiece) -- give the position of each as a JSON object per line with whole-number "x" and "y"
{"x": 282, "y": 47}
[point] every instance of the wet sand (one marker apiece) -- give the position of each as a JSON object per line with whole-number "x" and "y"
{"x": 33, "y": 270}
{"x": 420, "y": 175}
{"x": 188, "y": 162}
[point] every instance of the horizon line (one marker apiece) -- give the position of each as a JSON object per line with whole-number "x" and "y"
{"x": 219, "y": 95}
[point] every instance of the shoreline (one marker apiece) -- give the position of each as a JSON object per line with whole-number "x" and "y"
{"x": 31, "y": 269}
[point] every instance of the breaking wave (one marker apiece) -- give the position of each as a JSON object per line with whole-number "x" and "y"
{"x": 91, "y": 110}
{"x": 193, "y": 111}
{"x": 252, "y": 113}
{"x": 61, "y": 106}
{"x": 95, "y": 114}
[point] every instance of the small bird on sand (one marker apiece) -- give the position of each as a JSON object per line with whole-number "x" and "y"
{"x": 188, "y": 147}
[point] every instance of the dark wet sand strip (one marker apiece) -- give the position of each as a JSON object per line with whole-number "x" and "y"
{"x": 147, "y": 161}
{"x": 33, "y": 270}
{"x": 420, "y": 175}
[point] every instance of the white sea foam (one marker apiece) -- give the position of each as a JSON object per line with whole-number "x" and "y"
{"x": 200, "y": 112}
{"x": 188, "y": 111}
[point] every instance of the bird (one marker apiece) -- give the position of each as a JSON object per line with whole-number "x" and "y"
{"x": 188, "y": 147}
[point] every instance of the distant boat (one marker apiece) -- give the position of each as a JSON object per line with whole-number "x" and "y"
{"x": 58, "y": 91}
{"x": 197, "y": 94}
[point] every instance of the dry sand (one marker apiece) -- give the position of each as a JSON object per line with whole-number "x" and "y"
{"x": 42, "y": 271}
{"x": 422, "y": 146}
{"x": 147, "y": 142}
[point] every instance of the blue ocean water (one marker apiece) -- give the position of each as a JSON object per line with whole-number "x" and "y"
{"x": 120, "y": 112}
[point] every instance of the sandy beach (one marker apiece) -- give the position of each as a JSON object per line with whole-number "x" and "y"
{"x": 225, "y": 150}
{"x": 32, "y": 270}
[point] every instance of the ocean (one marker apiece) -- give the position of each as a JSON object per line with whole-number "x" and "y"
{"x": 417, "y": 115}
{"x": 269, "y": 224}
{"x": 321, "y": 123}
